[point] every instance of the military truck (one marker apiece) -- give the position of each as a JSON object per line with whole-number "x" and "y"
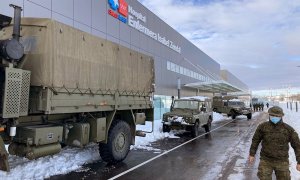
{"x": 61, "y": 86}
{"x": 231, "y": 106}
{"x": 189, "y": 114}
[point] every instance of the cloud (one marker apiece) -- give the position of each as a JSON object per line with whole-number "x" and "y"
{"x": 257, "y": 40}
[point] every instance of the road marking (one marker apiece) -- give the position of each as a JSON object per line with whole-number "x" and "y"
{"x": 166, "y": 152}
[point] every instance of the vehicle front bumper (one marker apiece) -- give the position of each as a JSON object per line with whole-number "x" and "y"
{"x": 177, "y": 125}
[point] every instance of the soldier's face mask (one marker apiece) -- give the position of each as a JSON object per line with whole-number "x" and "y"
{"x": 275, "y": 119}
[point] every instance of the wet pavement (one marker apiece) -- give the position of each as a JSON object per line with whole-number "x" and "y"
{"x": 208, "y": 157}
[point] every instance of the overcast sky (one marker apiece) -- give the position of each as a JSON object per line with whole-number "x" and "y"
{"x": 256, "y": 40}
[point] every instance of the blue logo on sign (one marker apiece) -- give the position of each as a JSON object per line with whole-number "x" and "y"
{"x": 114, "y": 4}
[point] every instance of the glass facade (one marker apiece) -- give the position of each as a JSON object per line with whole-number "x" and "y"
{"x": 162, "y": 105}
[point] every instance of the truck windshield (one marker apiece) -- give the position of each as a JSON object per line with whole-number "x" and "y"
{"x": 236, "y": 103}
{"x": 186, "y": 104}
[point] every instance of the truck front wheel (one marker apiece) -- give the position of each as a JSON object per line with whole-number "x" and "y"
{"x": 249, "y": 116}
{"x": 233, "y": 115}
{"x": 195, "y": 129}
{"x": 207, "y": 126}
{"x": 166, "y": 128}
{"x": 118, "y": 144}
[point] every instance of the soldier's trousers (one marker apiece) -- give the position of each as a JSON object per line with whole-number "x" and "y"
{"x": 266, "y": 168}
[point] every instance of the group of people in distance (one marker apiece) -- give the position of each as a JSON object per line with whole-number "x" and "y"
{"x": 259, "y": 106}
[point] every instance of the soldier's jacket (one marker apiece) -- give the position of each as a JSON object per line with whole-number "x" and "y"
{"x": 275, "y": 140}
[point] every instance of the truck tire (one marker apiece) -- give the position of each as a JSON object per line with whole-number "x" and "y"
{"x": 118, "y": 144}
{"x": 233, "y": 115}
{"x": 166, "y": 128}
{"x": 249, "y": 116}
{"x": 195, "y": 129}
{"x": 207, "y": 127}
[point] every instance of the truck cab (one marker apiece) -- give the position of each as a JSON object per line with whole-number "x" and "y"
{"x": 189, "y": 114}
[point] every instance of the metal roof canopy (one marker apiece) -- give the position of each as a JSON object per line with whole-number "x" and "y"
{"x": 219, "y": 86}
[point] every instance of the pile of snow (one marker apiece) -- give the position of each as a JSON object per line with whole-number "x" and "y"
{"x": 157, "y": 134}
{"x": 219, "y": 117}
{"x": 69, "y": 159}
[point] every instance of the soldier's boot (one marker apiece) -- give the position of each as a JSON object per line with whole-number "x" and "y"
{"x": 4, "y": 166}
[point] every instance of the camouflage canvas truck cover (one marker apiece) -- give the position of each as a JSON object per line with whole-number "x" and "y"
{"x": 189, "y": 114}
{"x": 59, "y": 85}
{"x": 231, "y": 106}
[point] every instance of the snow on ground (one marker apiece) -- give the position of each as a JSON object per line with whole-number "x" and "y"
{"x": 221, "y": 117}
{"x": 69, "y": 159}
{"x": 157, "y": 134}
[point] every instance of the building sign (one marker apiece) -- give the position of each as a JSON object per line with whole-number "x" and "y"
{"x": 135, "y": 19}
{"x": 122, "y": 8}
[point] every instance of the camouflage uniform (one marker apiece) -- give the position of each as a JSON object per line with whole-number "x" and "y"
{"x": 274, "y": 154}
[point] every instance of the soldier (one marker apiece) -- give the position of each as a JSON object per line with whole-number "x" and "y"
{"x": 254, "y": 107}
{"x": 275, "y": 136}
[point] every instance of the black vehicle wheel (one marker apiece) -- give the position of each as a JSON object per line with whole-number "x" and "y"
{"x": 249, "y": 116}
{"x": 207, "y": 126}
{"x": 233, "y": 115}
{"x": 166, "y": 128}
{"x": 195, "y": 129}
{"x": 118, "y": 145}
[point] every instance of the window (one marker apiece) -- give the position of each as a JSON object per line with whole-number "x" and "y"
{"x": 186, "y": 72}
{"x": 181, "y": 70}
{"x": 177, "y": 69}
{"x": 173, "y": 68}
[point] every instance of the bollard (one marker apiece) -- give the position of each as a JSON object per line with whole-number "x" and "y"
{"x": 296, "y": 106}
{"x": 291, "y": 106}
{"x": 287, "y": 105}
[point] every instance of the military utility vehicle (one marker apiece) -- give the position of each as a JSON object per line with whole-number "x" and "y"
{"x": 189, "y": 114}
{"x": 231, "y": 106}
{"x": 61, "y": 86}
